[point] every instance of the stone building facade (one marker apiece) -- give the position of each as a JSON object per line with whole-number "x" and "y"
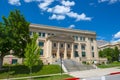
{"x": 72, "y": 44}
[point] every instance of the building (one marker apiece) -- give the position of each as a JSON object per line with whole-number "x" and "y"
{"x": 109, "y": 45}
{"x": 72, "y": 44}
{"x": 56, "y": 42}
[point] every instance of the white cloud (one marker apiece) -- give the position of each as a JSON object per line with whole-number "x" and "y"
{"x": 100, "y": 1}
{"x": 14, "y": 2}
{"x": 112, "y": 1}
{"x": 71, "y": 26}
{"x": 78, "y": 16}
{"x": 109, "y": 1}
{"x": 68, "y": 3}
{"x": 60, "y": 9}
{"x": 117, "y": 35}
{"x": 57, "y": 17}
{"x": 44, "y": 5}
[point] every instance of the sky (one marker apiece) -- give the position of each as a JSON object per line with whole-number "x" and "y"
{"x": 100, "y": 16}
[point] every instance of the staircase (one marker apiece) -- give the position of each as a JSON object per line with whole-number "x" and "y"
{"x": 75, "y": 66}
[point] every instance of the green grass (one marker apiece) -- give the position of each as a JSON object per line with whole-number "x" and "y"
{"x": 23, "y": 71}
{"x": 58, "y": 77}
{"x": 114, "y": 64}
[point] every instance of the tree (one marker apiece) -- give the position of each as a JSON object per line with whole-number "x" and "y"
{"x": 14, "y": 35}
{"x": 32, "y": 53}
{"x": 116, "y": 54}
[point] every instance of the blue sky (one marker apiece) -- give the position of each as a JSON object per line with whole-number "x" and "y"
{"x": 101, "y": 16}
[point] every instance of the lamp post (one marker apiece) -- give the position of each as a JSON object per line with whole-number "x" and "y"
{"x": 10, "y": 62}
{"x": 61, "y": 64}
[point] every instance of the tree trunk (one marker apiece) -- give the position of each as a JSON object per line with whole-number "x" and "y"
{"x": 31, "y": 73}
{"x": 1, "y": 62}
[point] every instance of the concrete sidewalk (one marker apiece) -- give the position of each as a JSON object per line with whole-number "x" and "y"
{"x": 93, "y": 72}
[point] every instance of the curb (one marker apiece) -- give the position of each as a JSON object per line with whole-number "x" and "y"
{"x": 113, "y": 73}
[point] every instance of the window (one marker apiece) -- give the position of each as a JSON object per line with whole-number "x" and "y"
{"x": 41, "y": 51}
{"x": 76, "y": 54}
{"x": 83, "y": 47}
{"x": 82, "y": 38}
{"x": 76, "y": 38}
{"x": 92, "y": 48}
{"x": 61, "y": 45}
{"x": 14, "y": 61}
{"x": 30, "y": 33}
{"x": 93, "y": 55}
{"x": 68, "y": 45}
{"x": 40, "y": 34}
{"x": 54, "y": 44}
{"x": 41, "y": 44}
{"x": 91, "y": 39}
{"x": 43, "y": 34}
{"x": 76, "y": 46}
{"x": 83, "y": 54}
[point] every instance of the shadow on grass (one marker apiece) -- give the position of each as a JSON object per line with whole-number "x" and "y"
{"x": 20, "y": 69}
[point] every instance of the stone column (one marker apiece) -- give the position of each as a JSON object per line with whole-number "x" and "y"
{"x": 72, "y": 51}
{"x": 95, "y": 49}
{"x": 58, "y": 50}
{"x": 65, "y": 51}
{"x": 88, "y": 50}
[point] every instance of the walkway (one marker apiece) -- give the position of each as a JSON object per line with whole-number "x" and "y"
{"x": 94, "y": 72}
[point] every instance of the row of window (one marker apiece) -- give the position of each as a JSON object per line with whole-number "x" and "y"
{"x": 83, "y": 47}
{"x": 76, "y": 38}
{"x": 83, "y": 54}
{"x": 75, "y": 53}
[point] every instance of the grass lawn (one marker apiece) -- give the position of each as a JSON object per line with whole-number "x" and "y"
{"x": 114, "y": 64}
{"x": 22, "y": 71}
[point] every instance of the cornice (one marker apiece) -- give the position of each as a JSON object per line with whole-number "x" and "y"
{"x": 45, "y": 27}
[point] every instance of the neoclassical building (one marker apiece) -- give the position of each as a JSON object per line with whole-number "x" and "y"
{"x": 56, "y": 42}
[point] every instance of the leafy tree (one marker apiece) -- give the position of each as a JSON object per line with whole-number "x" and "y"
{"x": 116, "y": 54}
{"x": 14, "y": 35}
{"x": 32, "y": 53}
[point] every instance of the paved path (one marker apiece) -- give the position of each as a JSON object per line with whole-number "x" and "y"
{"x": 94, "y": 72}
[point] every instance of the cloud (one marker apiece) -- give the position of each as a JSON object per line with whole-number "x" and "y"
{"x": 57, "y": 17}
{"x": 59, "y": 9}
{"x": 78, "y": 16}
{"x": 14, "y": 2}
{"x": 44, "y": 5}
{"x": 109, "y": 1}
{"x": 117, "y": 35}
{"x": 71, "y": 26}
{"x": 68, "y": 3}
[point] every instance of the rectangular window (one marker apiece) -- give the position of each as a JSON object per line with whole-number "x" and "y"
{"x": 68, "y": 45}
{"x": 76, "y": 54}
{"x": 14, "y": 61}
{"x": 41, "y": 51}
{"x": 76, "y": 38}
{"x": 41, "y": 44}
{"x": 43, "y": 34}
{"x": 40, "y": 34}
{"x": 76, "y": 46}
{"x": 91, "y": 39}
{"x": 54, "y": 44}
{"x": 83, "y": 38}
{"x": 93, "y": 55}
{"x": 30, "y": 33}
{"x": 83, "y": 54}
{"x": 61, "y": 45}
{"x": 92, "y": 48}
{"x": 82, "y": 47}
